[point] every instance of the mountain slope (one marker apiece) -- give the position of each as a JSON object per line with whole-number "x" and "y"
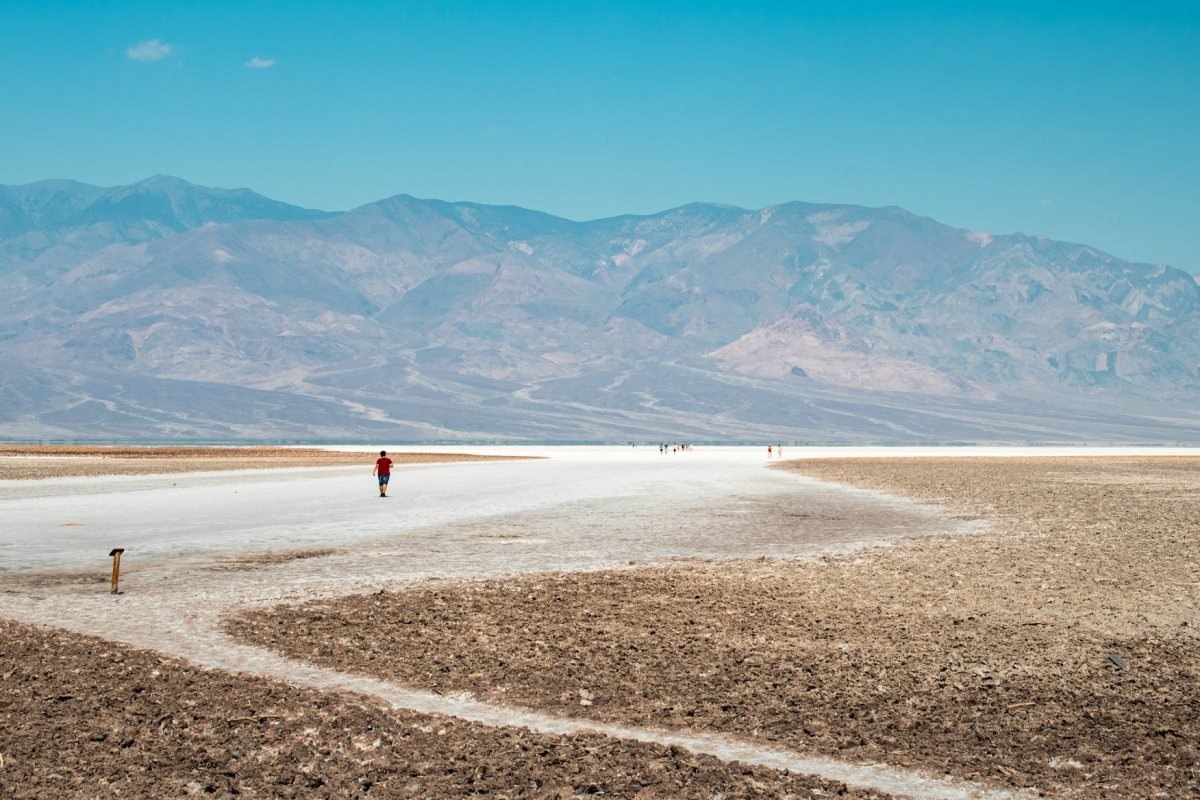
{"x": 163, "y": 309}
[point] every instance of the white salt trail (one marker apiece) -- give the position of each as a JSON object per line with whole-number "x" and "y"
{"x": 586, "y": 508}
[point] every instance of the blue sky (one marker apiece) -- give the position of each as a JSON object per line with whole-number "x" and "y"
{"x": 1079, "y": 121}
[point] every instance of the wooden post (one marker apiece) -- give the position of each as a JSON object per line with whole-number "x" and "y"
{"x": 116, "y": 557}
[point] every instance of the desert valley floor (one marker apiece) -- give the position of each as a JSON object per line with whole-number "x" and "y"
{"x": 600, "y": 622}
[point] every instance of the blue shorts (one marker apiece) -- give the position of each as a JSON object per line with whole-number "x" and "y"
{"x": 383, "y": 479}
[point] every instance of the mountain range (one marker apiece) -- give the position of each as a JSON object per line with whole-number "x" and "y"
{"x": 169, "y": 311}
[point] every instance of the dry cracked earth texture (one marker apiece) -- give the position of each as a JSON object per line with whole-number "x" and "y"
{"x": 86, "y": 718}
{"x": 1056, "y": 651}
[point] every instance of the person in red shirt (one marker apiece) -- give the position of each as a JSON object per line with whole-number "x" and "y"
{"x": 383, "y": 469}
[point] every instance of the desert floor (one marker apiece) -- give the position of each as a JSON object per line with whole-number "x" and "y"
{"x": 905, "y": 649}
{"x": 35, "y": 462}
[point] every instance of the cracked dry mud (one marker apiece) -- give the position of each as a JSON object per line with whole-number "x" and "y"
{"x": 1056, "y": 651}
{"x": 86, "y": 718}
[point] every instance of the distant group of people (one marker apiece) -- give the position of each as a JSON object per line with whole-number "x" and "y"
{"x": 383, "y": 464}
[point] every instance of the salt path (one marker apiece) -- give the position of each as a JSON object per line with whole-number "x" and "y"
{"x": 577, "y": 508}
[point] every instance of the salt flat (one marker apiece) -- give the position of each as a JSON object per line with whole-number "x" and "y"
{"x": 195, "y": 545}
{"x": 604, "y": 504}
{"x": 625, "y": 501}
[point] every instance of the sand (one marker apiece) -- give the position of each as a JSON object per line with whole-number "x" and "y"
{"x": 1056, "y": 651}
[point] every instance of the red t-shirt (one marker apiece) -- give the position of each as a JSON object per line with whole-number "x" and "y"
{"x": 383, "y": 466}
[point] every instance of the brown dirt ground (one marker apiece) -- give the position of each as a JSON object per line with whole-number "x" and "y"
{"x": 1057, "y": 650}
{"x": 86, "y": 718}
{"x": 32, "y": 462}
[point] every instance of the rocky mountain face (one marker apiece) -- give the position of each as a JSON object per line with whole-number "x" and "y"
{"x": 165, "y": 310}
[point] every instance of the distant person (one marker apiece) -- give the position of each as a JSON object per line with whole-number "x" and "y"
{"x": 768, "y": 451}
{"x": 383, "y": 469}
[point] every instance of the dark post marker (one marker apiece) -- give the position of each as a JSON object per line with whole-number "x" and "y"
{"x": 116, "y": 557}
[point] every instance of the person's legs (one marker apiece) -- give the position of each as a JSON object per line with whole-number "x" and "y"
{"x": 383, "y": 484}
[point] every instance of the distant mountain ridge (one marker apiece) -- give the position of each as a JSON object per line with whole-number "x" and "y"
{"x": 172, "y": 203}
{"x": 168, "y": 310}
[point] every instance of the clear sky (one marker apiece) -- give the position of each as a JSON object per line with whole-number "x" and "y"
{"x": 1076, "y": 120}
